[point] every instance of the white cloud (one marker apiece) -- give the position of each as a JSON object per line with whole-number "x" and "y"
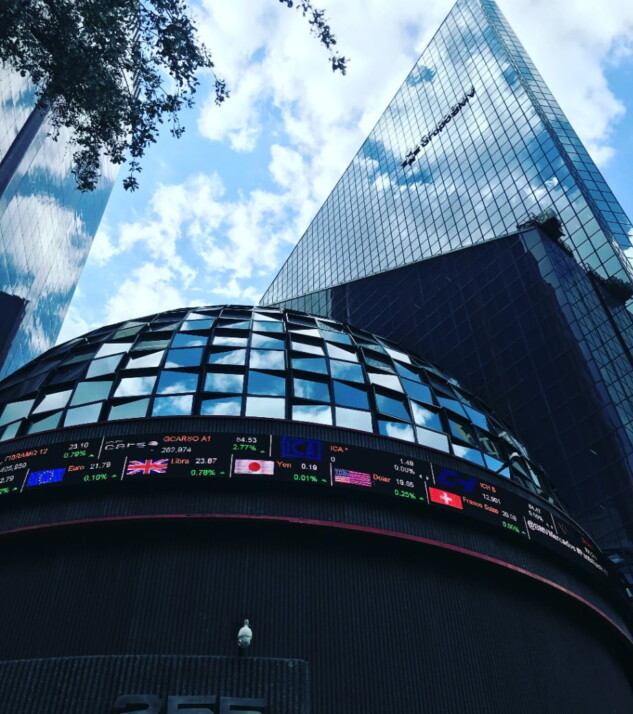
{"x": 75, "y": 324}
{"x": 149, "y": 288}
{"x": 103, "y": 249}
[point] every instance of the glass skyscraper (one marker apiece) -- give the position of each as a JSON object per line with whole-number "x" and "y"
{"x": 437, "y": 236}
{"x": 46, "y": 225}
{"x": 481, "y": 165}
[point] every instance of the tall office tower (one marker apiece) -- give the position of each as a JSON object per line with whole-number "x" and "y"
{"x": 46, "y": 225}
{"x": 472, "y": 146}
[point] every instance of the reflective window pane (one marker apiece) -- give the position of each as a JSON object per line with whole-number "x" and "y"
{"x": 176, "y": 382}
{"x": 113, "y": 348}
{"x": 306, "y": 347}
{"x": 263, "y": 383}
{"x": 309, "y": 389}
{"x": 397, "y": 355}
{"x": 53, "y": 401}
{"x": 310, "y": 364}
{"x": 266, "y": 317}
{"x": 16, "y": 410}
{"x": 417, "y": 391}
{"x": 229, "y": 406}
{"x": 432, "y": 439}
{"x": 464, "y": 432}
{"x": 386, "y": 380}
{"x": 339, "y": 337}
{"x": 83, "y": 415}
{"x": 203, "y": 324}
{"x": 150, "y": 345}
{"x": 11, "y": 430}
{"x": 451, "y": 404}
{"x": 197, "y": 316}
{"x": 188, "y": 357}
{"x": 185, "y": 340}
{"x": 229, "y": 341}
{"x": 164, "y": 406}
{"x": 314, "y": 413}
{"x": 129, "y": 410}
{"x": 493, "y": 464}
{"x": 425, "y": 417}
{"x": 106, "y": 365}
{"x": 470, "y": 454}
{"x": 223, "y": 382}
{"x": 91, "y": 392}
{"x": 269, "y": 407}
{"x": 50, "y": 422}
{"x": 269, "y": 326}
{"x": 234, "y": 324}
{"x": 131, "y": 386}
{"x": 268, "y": 359}
{"x": 347, "y": 396}
{"x": 396, "y": 430}
{"x": 306, "y": 333}
{"x": 340, "y": 353}
{"x": 406, "y": 372}
{"x": 346, "y": 370}
{"x": 477, "y": 418}
{"x": 353, "y": 419}
{"x": 145, "y": 361}
{"x": 392, "y": 407}
{"x": 228, "y": 357}
{"x": 268, "y": 341}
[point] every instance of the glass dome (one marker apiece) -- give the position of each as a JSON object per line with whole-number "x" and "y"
{"x": 241, "y": 361}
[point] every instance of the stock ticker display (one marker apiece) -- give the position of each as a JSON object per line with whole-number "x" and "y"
{"x": 308, "y": 462}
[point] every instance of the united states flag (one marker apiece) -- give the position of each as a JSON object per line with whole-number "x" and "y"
{"x": 357, "y": 478}
{"x": 150, "y": 466}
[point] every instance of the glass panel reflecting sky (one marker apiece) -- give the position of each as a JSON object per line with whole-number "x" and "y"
{"x": 175, "y": 382}
{"x": 230, "y": 406}
{"x": 223, "y": 382}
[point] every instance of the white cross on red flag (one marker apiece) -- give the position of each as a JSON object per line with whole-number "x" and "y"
{"x": 445, "y": 498}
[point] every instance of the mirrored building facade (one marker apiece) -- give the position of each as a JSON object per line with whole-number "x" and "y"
{"x": 46, "y": 225}
{"x": 473, "y": 158}
{"x": 472, "y": 143}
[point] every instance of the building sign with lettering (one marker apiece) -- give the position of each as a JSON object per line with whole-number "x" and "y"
{"x": 455, "y": 110}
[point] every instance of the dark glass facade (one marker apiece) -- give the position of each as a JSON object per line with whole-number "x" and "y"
{"x": 410, "y": 245}
{"x": 520, "y": 322}
{"x": 46, "y": 225}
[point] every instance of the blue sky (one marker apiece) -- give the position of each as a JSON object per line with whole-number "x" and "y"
{"x": 219, "y": 210}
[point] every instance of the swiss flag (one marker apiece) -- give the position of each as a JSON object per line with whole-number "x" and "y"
{"x": 445, "y": 498}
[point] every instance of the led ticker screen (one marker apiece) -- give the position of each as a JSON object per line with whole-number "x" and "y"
{"x": 312, "y": 463}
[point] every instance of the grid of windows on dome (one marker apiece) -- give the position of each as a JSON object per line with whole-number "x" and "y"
{"x": 260, "y": 456}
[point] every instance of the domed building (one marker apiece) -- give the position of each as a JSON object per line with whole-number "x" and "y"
{"x": 388, "y": 539}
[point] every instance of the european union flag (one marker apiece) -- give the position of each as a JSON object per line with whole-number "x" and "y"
{"x": 43, "y": 478}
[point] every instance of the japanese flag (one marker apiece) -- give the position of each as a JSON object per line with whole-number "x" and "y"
{"x": 251, "y": 466}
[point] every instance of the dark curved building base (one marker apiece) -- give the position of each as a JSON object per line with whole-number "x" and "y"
{"x": 381, "y": 624}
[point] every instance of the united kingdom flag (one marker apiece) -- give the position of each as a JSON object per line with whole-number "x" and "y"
{"x": 150, "y": 466}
